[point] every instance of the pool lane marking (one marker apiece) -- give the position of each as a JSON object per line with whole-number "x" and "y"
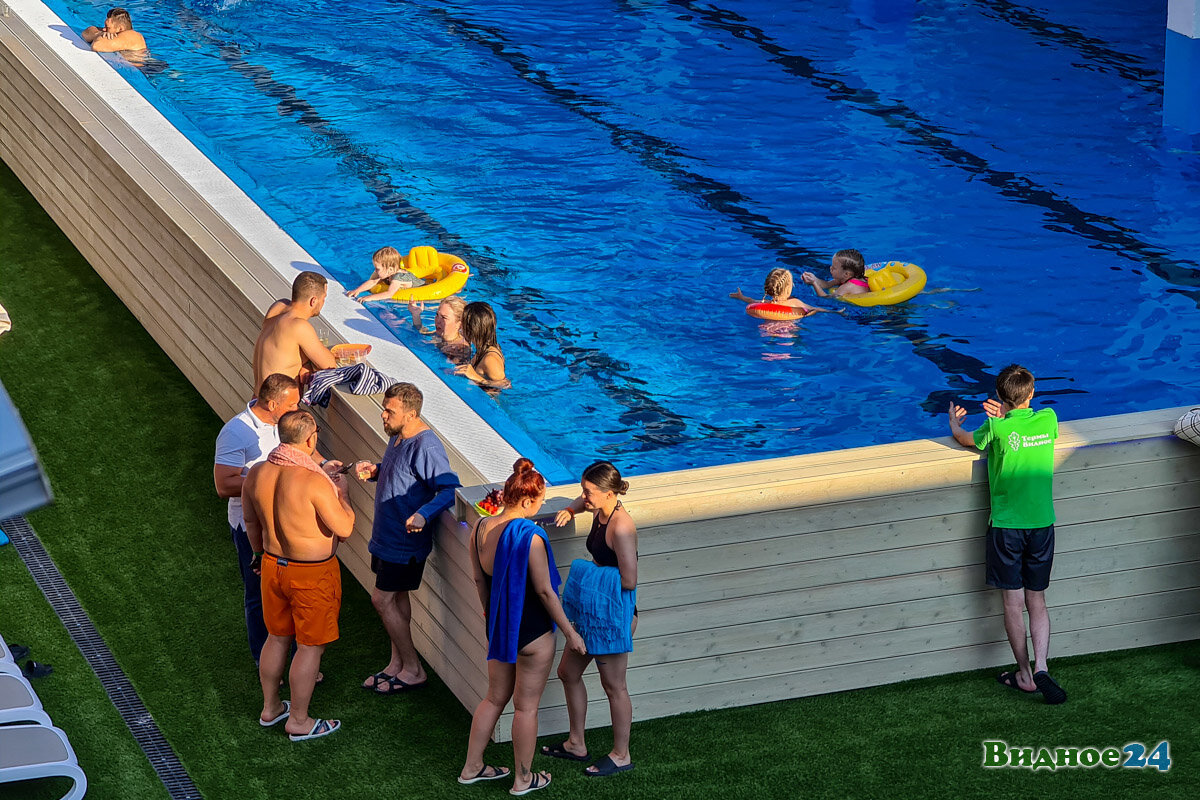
{"x": 1103, "y": 230}
{"x": 664, "y": 426}
{"x": 114, "y": 680}
{"x": 1049, "y": 34}
{"x": 968, "y": 374}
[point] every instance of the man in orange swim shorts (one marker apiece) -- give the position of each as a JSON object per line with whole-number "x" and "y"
{"x": 295, "y": 516}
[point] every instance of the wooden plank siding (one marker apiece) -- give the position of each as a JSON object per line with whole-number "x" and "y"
{"x": 759, "y": 581}
{"x": 199, "y": 289}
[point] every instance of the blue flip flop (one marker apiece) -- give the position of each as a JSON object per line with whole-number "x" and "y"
{"x": 605, "y": 767}
{"x": 560, "y": 751}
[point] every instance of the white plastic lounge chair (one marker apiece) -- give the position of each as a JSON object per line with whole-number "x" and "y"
{"x": 5, "y": 653}
{"x": 35, "y": 751}
{"x": 19, "y": 703}
{"x": 8, "y": 664}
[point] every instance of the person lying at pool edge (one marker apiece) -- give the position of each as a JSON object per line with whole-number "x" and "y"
{"x": 116, "y": 35}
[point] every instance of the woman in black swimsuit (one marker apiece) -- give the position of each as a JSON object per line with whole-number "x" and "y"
{"x": 612, "y": 542}
{"x": 498, "y": 544}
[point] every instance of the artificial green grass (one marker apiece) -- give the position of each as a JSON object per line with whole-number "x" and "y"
{"x": 140, "y": 535}
{"x": 72, "y": 696}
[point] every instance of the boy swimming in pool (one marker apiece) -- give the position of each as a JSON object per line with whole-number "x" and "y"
{"x": 849, "y": 276}
{"x": 389, "y": 277}
{"x": 777, "y": 288}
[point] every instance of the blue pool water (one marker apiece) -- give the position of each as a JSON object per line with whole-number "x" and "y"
{"x": 613, "y": 170}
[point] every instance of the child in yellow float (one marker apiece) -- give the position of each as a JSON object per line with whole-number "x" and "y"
{"x": 389, "y": 277}
{"x": 848, "y": 271}
{"x": 777, "y": 289}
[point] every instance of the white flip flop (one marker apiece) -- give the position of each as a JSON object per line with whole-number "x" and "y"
{"x": 287, "y": 710}
{"x": 321, "y": 727}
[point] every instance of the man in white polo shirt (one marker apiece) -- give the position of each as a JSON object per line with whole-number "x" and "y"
{"x": 246, "y": 440}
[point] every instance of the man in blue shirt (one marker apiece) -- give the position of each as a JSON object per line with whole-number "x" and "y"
{"x": 414, "y": 486}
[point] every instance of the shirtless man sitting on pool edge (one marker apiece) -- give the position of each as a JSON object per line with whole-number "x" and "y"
{"x": 288, "y": 343}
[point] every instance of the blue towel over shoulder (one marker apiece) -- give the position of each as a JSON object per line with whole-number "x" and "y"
{"x": 599, "y": 608}
{"x": 510, "y": 572}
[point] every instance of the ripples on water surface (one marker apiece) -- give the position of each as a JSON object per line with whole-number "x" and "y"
{"x": 613, "y": 170}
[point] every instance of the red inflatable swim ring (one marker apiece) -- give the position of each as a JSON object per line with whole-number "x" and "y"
{"x": 776, "y": 312}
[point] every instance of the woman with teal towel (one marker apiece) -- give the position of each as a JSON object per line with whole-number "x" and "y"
{"x": 518, "y": 587}
{"x": 600, "y": 597}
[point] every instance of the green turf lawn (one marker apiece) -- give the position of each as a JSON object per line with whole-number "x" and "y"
{"x": 141, "y": 537}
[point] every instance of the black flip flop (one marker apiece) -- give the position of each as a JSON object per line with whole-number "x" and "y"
{"x": 559, "y": 751}
{"x": 33, "y": 669}
{"x": 18, "y": 651}
{"x": 605, "y": 767}
{"x": 1009, "y": 679}
{"x": 1051, "y": 691}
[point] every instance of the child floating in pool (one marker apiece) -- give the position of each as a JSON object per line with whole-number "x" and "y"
{"x": 389, "y": 276}
{"x": 849, "y": 276}
{"x": 777, "y": 288}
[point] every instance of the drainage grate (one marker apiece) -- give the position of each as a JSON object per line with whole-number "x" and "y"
{"x": 120, "y": 690}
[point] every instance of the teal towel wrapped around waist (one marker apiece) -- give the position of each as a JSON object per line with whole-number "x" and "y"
{"x": 599, "y": 608}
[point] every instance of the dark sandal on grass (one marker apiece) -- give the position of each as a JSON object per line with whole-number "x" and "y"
{"x": 536, "y": 783}
{"x": 497, "y": 773}
{"x": 1051, "y": 691}
{"x": 377, "y": 680}
{"x": 605, "y": 767}
{"x": 33, "y": 669}
{"x": 560, "y": 751}
{"x": 1009, "y": 679}
{"x": 382, "y": 683}
{"x": 396, "y": 686}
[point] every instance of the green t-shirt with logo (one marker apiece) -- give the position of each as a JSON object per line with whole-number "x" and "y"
{"x": 1020, "y": 449}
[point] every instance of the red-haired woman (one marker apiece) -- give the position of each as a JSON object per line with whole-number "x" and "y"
{"x": 518, "y": 587}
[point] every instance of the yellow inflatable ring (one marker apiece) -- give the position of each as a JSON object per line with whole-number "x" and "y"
{"x": 447, "y": 272}
{"x": 890, "y": 283}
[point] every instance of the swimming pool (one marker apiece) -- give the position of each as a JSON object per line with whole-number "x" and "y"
{"x": 613, "y": 172}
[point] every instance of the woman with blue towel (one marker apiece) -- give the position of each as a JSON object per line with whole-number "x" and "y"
{"x": 600, "y": 598}
{"x": 517, "y": 582}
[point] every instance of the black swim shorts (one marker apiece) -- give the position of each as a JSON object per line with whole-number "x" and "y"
{"x": 1020, "y": 558}
{"x": 393, "y": 577}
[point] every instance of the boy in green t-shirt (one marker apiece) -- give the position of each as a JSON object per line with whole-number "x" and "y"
{"x": 1020, "y": 538}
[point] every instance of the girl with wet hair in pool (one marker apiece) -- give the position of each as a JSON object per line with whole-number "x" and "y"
{"x": 848, "y": 271}
{"x": 487, "y": 365}
{"x": 447, "y": 328}
{"x": 777, "y": 289}
{"x": 517, "y": 581}
{"x": 600, "y": 597}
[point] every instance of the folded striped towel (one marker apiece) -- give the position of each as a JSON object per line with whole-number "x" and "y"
{"x": 364, "y": 379}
